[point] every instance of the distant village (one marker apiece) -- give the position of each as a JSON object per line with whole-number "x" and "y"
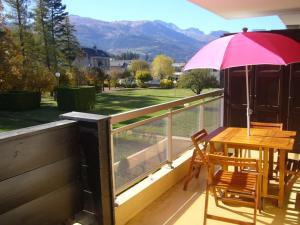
{"x": 96, "y": 58}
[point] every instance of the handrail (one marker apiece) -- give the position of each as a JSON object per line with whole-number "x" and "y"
{"x": 120, "y": 117}
{"x": 156, "y": 118}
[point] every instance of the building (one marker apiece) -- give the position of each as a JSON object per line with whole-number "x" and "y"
{"x": 119, "y": 66}
{"x": 93, "y": 57}
{"x": 178, "y": 70}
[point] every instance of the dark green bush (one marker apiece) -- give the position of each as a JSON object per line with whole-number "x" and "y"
{"x": 76, "y": 98}
{"x": 20, "y": 100}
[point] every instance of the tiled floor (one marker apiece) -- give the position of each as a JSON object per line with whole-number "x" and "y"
{"x": 180, "y": 207}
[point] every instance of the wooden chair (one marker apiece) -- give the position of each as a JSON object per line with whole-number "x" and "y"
{"x": 238, "y": 187}
{"x": 200, "y": 140}
{"x": 292, "y": 173}
{"x": 276, "y": 126}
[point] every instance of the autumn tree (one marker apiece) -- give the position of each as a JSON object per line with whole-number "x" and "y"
{"x": 99, "y": 77}
{"x": 142, "y": 77}
{"x": 139, "y": 65}
{"x": 10, "y": 62}
{"x": 162, "y": 67}
{"x": 19, "y": 16}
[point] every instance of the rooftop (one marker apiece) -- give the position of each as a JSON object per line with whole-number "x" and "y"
{"x": 93, "y": 52}
{"x": 287, "y": 10}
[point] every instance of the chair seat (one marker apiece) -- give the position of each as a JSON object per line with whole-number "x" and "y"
{"x": 237, "y": 182}
{"x": 198, "y": 158}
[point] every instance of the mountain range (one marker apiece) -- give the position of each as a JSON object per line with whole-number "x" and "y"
{"x": 143, "y": 37}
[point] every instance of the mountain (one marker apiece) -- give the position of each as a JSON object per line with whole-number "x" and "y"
{"x": 143, "y": 37}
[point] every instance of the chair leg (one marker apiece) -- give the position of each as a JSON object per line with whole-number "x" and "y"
{"x": 259, "y": 202}
{"x": 206, "y": 205}
{"x": 198, "y": 172}
{"x": 256, "y": 205}
{"x": 215, "y": 196}
{"x": 188, "y": 178}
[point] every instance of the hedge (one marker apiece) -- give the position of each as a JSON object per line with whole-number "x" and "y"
{"x": 20, "y": 100}
{"x": 76, "y": 98}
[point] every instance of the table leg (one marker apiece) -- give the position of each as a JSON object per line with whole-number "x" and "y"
{"x": 271, "y": 162}
{"x": 266, "y": 170}
{"x": 260, "y": 178}
{"x": 226, "y": 154}
{"x": 212, "y": 148}
{"x": 236, "y": 154}
{"x": 282, "y": 156}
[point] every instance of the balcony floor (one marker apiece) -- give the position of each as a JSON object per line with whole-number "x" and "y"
{"x": 180, "y": 207}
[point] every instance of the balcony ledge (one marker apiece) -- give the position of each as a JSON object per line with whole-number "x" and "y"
{"x": 138, "y": 197}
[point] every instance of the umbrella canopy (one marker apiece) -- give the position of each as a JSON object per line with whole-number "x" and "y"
{"x": 243, "y": 49}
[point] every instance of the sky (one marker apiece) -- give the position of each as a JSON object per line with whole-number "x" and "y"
{"x": 182, "y": 13}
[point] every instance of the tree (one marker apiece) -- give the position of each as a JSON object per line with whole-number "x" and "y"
{"x": 99, "y": 77}
{"x": 19, "y": 16}
{"x": 42, "y": 17}
{"x": 10, "y": 62}
{"x": 69, "y": 44}
{"x": 1, "y": 15}
{"x": 139, "y": 65}
{"x": 10, "y": 59}
{"x": 126, "y": 56}
{"x": 142, "y": 77}
{"x": 162, "y": 67}
{"x": 58, "y": 15}
{"x": 197, "y": 80}
{"x": 126, "y": 74}
{"x": 41, "y": 79}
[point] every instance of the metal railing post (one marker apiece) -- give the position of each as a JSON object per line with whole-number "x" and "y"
{"x": 221, "y": 112}
{"x": 201, "y": 115}
{"x": 113, "y": 160}
{"x": 170, "y": 142}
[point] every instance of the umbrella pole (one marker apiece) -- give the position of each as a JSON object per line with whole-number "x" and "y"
{"x": 248, "y": 102}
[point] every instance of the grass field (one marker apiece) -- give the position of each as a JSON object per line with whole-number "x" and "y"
{"x": 106, "y": 104}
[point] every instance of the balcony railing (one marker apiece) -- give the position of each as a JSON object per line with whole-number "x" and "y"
{"x": 142, "y": 147}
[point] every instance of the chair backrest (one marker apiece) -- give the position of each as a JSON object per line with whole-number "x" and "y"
{"x": 232, "y": 161}
{"x": 275, "y": 126}
{"x": 197, "y": 139}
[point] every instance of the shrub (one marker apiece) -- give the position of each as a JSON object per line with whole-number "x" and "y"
{"x": 76, "y": 98}
{"x": 20, "y": 100}
{"x": 197, "y": 80}
{"x": 129, "y": 82}
{"x": 165, "y": 83}
{"x": 142, "y": 77}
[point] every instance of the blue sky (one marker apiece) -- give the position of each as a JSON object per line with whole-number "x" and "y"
{"x": 180, "y": 12}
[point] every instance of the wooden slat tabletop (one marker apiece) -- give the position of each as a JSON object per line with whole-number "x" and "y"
{"x": 265, "y": 138}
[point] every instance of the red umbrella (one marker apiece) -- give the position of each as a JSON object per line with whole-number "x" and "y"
{"x": 243, "y": 49}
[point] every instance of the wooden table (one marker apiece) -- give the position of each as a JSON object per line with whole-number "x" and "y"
{"x": 262, "y": 140}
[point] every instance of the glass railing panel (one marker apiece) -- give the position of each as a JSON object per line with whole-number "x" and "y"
{"x": 138, "y": 151}
{"x": 184, "y": 124}
{"x": 212, "y": 115}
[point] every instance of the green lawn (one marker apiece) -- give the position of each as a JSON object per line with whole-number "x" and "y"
{"x": 106, "y": 104}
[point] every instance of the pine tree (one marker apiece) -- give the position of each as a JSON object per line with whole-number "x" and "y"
{"x": 42, "y": 18}
{"x": 69, "y": 44}
{"x": 56, "y": 24}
